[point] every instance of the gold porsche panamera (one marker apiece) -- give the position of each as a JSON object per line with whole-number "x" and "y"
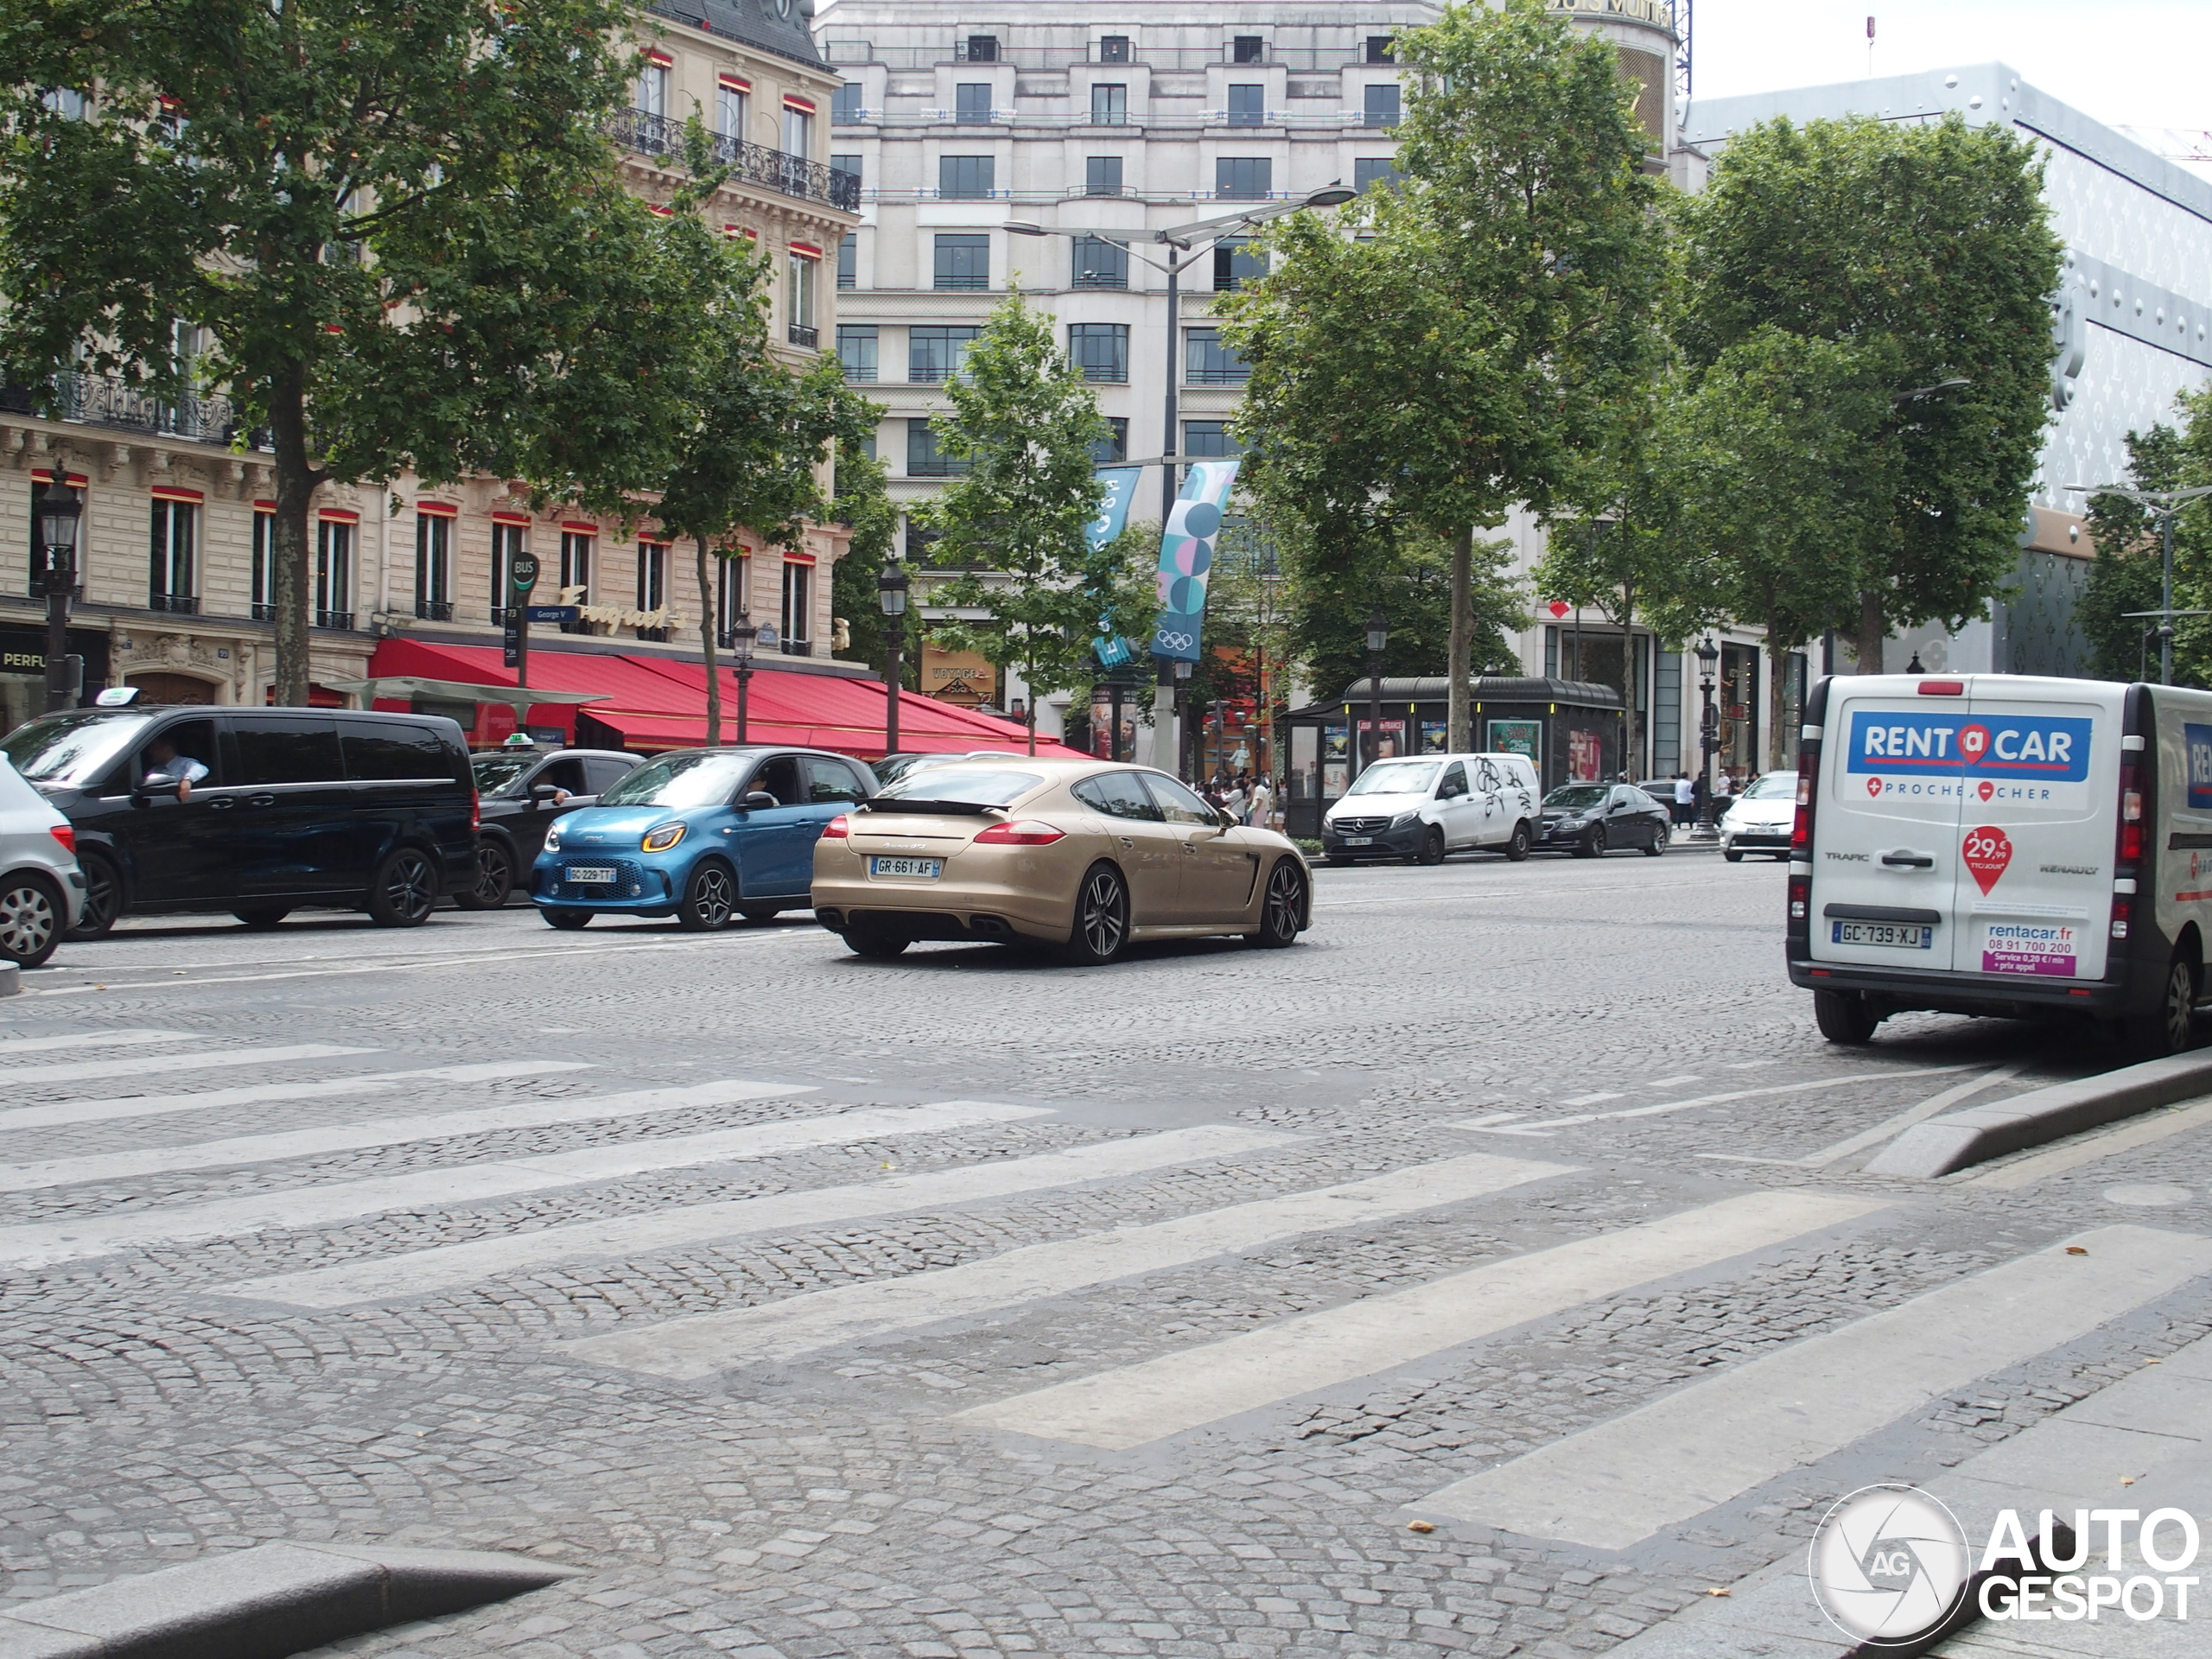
{"x": 1079, "y": 854}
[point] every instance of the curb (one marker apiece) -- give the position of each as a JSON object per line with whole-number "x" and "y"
{"x": 265, "y": 1602}
{"x": 11, "y": 979}
{"x": 1959, "y": 1138}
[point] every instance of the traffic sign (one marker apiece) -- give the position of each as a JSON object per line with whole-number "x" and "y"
{"x": 521, "y": 570}
{"x": 551, "y": 613}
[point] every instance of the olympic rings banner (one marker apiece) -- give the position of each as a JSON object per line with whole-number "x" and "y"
{"x": 1186, "y": 557}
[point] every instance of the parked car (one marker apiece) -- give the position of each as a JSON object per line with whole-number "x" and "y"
{"x": 700, "y": 834}
{"x": 1590, "y": 820}
{"x": 256, "y": 811}
{"x": 892, "y": 768}
{"x": 1081, "y": 854}
{"x": 520, "y": 791}
{"x": 42, "y": 888}
{"x": 1421, "y": 807}
{"x": 1761, "y": 818}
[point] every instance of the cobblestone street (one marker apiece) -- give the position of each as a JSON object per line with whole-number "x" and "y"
{"x": 962, "y": 1305}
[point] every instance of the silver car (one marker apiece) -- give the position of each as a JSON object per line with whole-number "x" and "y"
{"x": 41, "y": 889}
{"x": 1761, "y": 818}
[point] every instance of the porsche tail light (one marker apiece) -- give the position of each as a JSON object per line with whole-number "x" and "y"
{"x": 1021, "y": 832}
{"x": 838, "y": 829}
{"x": 66, "y": 834}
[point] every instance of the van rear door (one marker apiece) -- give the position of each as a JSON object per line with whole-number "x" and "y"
{"x": 1886, "y": 837}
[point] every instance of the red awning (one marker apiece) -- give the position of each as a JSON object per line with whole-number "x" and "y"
{"x": 659, "y": 704}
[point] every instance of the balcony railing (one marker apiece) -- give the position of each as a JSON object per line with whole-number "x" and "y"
{"x": 175, "y": 604}
{"x": 342, "y": 620}
{"x": 434, "y": 610}
{"x": 751, "y": 163}
{"x": 1220, "y": 374}
{"x": 801, "y": 334}
{"x": 103, "y": 400}
{"x": 264, "y": 611}
{"x": 796, "y": 647}
{"x": 860, "y": 374}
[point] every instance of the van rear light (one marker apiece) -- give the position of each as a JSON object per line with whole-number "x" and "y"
{"x": 1942, "y": 688}
{"x": 1801, "y": 902}
{"x": 66, "y": 834}
{"x": 1021, "y": 832}
{"x": 1809, "y": 772}
{"x": 2122, "y": 908}
{"x": 2130, "y": 814}
{"x": 475, "y": 810}
{"x": 838, "y": 829}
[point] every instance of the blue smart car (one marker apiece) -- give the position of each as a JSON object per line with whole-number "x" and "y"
{"x": 700, "y": 835}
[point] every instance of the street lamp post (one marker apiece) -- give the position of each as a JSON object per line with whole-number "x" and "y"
{"x": 891, "y": 593}
{"x": 60, "y": 513}
{"x": 1378, "y": 640}
{"x": 743, "y": 636}
{"x": 2164, "y": 505}
{"x": 1709, "y": 733}
{"x": 1183, "y": 767}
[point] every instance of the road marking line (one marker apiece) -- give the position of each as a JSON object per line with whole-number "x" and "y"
{"x": 708, "y": 1342}
{"x": 452, "y": 1266}
{"x": 1136, "y": 1404}
{"x": 1592, "y": 1100}
{"x": 9, "y": 1046}
{"x": 140, "y": 1065}
{"x": 2140, "y": 1132}
{"x": 1904, "y": 1120}
{"x": 1614, "y": 1485}
{"x": 45, "y": 1244}
{"x": 72, "y": 1112}
{"x": 387, "y": 1132}
{"x": 1673, "y": 1083}
{"x": 1665, "y": 1106}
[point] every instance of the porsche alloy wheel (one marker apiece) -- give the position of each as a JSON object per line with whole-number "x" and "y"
{"x": 1101, "y": 917}
{"x": 1283, "y": 909}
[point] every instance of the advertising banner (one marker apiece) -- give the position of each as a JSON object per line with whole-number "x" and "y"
{"x": 2026, "y": 758}
{"x": 1186, "y": 556}
{"x": 1117, "y": 488}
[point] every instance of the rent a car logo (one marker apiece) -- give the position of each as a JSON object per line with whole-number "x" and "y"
{"x": 2024, "y": 760}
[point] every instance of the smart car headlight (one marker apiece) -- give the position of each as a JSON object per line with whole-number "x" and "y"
{"x": 661, "y": 838}
{"x": 553, "y": 838}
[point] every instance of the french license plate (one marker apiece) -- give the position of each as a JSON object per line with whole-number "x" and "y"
{"x": 1903, "y": 936}
{"x": 596, "y": 874}
{"x": 1359, "y": 841}
{"x": 927, "y": 870}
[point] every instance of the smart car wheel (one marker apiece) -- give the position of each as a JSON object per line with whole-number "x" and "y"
{"x": 1431, "y": 845}
{"x": 495, "y": 878}
{"x": 1101, "y": 917}
{"x": 404, "y": 890}
{"x": 103, "y": 898}
{"x": 1283, "y": 908}
{"x": 1518, "y": 849}
{"x": 30, "y": 920}
{"x": 567, "y": 920}
{"x": 709, "y": 898}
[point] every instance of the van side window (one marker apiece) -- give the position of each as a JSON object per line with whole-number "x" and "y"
{"x": 380, "y": 752}
{"x": 567, "y": 774}
{"x": 1454, "y": 784}
{"x": 603, "y": 775}
{"x": 165, "y": 754}
{"x": 275, "y": 750}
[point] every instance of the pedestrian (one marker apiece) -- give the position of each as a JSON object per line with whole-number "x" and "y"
{"x": 1701, "y": 794}
{"x": 1722, "y": 789}
{"x": 1685, "y": 798}
{"x": 1232, "y": 801}
{"x": 1261, "y": 807}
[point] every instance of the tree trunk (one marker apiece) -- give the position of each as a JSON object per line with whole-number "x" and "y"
{"x": 1458, "y": 710}
{"x": 1777, "y": 693}
{"x": 1029, "y": 704}
{"x": 291, "y": 573}
{"x": 706, "y": 620}
{"x": 1874, "y": 629}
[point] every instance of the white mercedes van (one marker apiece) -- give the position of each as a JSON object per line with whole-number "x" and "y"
{"x": 1420, "y": 807}
{"x": 2003, "y": 844}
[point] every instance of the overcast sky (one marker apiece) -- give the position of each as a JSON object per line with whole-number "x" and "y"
{"x": 2134, "y": 63}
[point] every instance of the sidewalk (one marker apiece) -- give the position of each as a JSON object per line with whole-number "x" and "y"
{"x": 2152, "y": 1429}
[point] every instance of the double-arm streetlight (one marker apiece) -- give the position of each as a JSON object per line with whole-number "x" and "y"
{"x": 2164, "y": 505}
{"x": 60, "y": 513}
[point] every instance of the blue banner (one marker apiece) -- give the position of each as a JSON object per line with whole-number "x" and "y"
{"x": 2199, "y": 738}
{"x": 1186, "y": 556}
{"x": 1118, "y": 488}
{"x": 2049, "y": 749}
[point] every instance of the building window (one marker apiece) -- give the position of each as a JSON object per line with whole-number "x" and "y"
{"x": 264, "y": 565}
{"x": 1247, "y": 48}
{"x": 1100, "y": 350}
{"x": 1207, "y": 362}
{"x": 1243, "y": 178}
{"x": 733, "y": 591}
{"x": 868, "y": 443}
{"x": 433, "y": 567}
{"x": 1236, "y": 262}
{"x": 1248, "y": 105}
{"x": 653, "y": 583}
{"x": 174, "y": 543}
{"x": 1382, "y": 105}
{"x": 1113, "y": 48}
{"x": 936, "y": 352}
{"x": 846, "y": 164}
{"x": 963, "y": 261}
{"x": 333, "y": 575}
{"x": 729, "y": 111}
{"x": 845, "y": 105}
{"x": 972, "y": 103}
{"x": 798, "y": 609}
{"x": 963, "y": 178}
{"x": 1371, "y": 170}
{"x": 652, "y": 90}
{"x": 857, "y": 351}
{"x": 924, "y": 458}
{"x": 576, "y": 566}
{"x": 799, "y": 299}
{"x": 1378, "y": 49}
{"x": 507, "y": 542}
{"x": 1209, "y": 440}
{"x": 1109, "y": 105}
{"x": 849, "y": 260}
{"x": 1101, "y": 175}
{"x": 980, "y": 48}
{"x": 1107, "y": 450}
{"x": 1099, "y": 264}
{"x": 798, "y": 131}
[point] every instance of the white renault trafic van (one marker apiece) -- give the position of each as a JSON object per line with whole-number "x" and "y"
{"x": 2002, "y": 844}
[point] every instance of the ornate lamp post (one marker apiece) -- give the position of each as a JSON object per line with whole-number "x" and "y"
{"x": 1378, "y": 641}
{"x": 1183, "y": 767}
{"x": 891, "y": 593}
{"x": 1709, "y": 733}
{"x": 743, "y": 636}
{"x": 60, "y": 513}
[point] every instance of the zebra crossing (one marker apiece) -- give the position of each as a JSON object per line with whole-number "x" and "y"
{"x": 1609, "y": 1486}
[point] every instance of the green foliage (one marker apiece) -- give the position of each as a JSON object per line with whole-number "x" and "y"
{"x": 1838, "y": 264}
{"x": 399, "y": 224}
{"x": 1012, "y": 523}
{"x": 2126, "y": 576}
{"x": 1410, "y": 582}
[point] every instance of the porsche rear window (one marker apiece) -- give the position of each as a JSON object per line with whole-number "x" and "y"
{"x": 969, "y": 785}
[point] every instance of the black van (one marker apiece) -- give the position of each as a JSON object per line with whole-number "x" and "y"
{"x": 256, "y": 811}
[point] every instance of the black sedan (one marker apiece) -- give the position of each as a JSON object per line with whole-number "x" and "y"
{"x": 1592, "y": 819}
{"x": 519, "y": 792}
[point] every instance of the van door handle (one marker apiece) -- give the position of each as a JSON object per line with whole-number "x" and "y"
{"x": 223, "y": 803}
{"x": 1909, "y": 861}
{"x": 261, "y": 800}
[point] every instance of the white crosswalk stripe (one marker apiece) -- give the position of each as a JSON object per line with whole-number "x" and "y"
{"x": 141, "y": 1066}
{"x": 447, "y": 1267}
{"x": 1136, "y": 1404}
{"x": 10, "y": 1046}
{"x": 67, "y": 1114}
{"x": 383, "y": 1132}
{"x": 704, "y": 1344}
{"x": 46, "y": 1243}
